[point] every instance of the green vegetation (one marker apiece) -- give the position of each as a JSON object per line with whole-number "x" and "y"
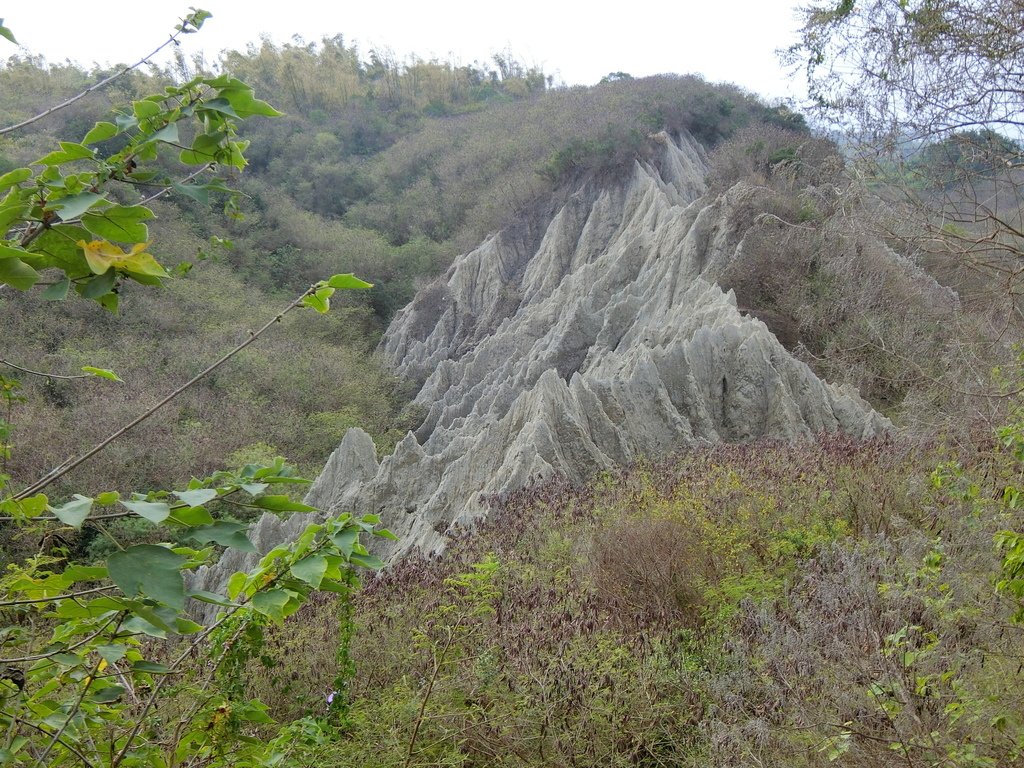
{"x": 102, "y": 665}
{"x": 779, "y": 604}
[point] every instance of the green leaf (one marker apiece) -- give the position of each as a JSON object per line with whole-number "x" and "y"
{"x": 58, "y": 247}
{"x": 235, "y": 157}
{"x": 197, "y": 497}
{"x": 205, "y": 149}
{"x": 191, "y": 516}
{"x": 168, "y": 133}
{"x": 310, "y": 570}
{"x": 154, "y": 511}
{"x": 112, "y": 653}
{"x": 28, "y": 508}
{"x": 345, "y": 541}
{"x": 100, "y": 132}
{"x": 69, "y": 152}
{"x": 17, "y": 274}
{"x": 220, "y": 105}
{"x": 135, "y": 625}
{"x": 338, "y": 587}
{"x": 319, "y": 300}
{"x": 151, "y": 667}
{"x": 73, "y": 206}
{"x": 235, "y": 584}
{"x": 348, "y": 281}
{"x": 58, "y": 291}
{"x": 102, "y": 373}
{"x": 100, "y": 285}
{"x": 74, "y": 512}
{"x": 209, "y": 597}
{"x": 107, "y": 695}
{"x": 253, "y": 712}
{"x": 6, "y": 33}
{"x": 224, "y": 533}
{"x": 144, "y": 109}
{"x": 197, "y": 192}
{"x": 9, "y": 252}
{"x": 17, "y": 176}
{"x": 101, "y": 606}
{"x": 109, "y": 302}
{"x": 240, "y": 96}
{"x": 367, "y": 561}
{"x": 84, "y": 572}
{"x": 254, "y": 489}
{"x": 281, "y": 504}
{"x": 271, "y": 603}
{"x": 126, "y": 122}
{"x": 150, "y": 570}
{"x": 193, "y": 22}
{"x": 187, "y": 626}
{"x": 119, "y": 222}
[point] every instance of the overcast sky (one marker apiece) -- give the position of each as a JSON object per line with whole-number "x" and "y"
{"x": 733, "y": 41}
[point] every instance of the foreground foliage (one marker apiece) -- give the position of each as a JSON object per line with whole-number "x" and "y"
{"x": 102, "y": 662}
{"x": 761, "y": 604}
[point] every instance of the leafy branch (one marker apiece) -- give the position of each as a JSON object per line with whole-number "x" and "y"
{"x": 191, "y": 23}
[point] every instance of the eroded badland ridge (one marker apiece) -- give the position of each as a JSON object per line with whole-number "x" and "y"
{"x": 589, "y": 340}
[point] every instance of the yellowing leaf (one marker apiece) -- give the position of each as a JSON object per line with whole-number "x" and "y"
{"x": 103, "y": 255}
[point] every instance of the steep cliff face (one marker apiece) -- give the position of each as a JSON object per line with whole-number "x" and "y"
{"x": 602, "y": 339}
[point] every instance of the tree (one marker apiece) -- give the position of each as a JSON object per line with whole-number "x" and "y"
{"x": 910, "y": 80}
{"x": 101, "y": 664}
{"x": 915, "y": 69}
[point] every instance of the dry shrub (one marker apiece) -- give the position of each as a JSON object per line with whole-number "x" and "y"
{"x": 769, "y": 155}
{"x": 813, "y": 261}
{"x": 652, "y": 565}
{"x": 891, "y": 650}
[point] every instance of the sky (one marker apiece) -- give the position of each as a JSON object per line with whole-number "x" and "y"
{"x": 734, "y": 41}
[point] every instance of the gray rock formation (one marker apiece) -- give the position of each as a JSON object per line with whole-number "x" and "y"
{"x": 599, "y": 340}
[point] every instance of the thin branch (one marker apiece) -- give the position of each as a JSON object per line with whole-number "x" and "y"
{"x": 69, "y": 747}
{"x": 438, "y": 663}
{"x": 55, "y": 598}
{"x": 166, "y": 189}
{"x": 106, "y": 81}
{"x": 79, "y": 644}
{"x": 70, "y": 464}
{"x": 54, "y": 518}
{"x": 44, "y": 374}
{"x": 40, "y": 761}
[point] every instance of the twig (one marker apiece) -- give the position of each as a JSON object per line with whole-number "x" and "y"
{"x": 166, "y": 189}
{"x": 172, "y": 39}
{"x": 438, "y": 663}
{"x": 46, "y": 375}
{"x": 74, "y": 710}
{"x": 71, "y": 747}
{"x": 79, "y": 644}
{"x": 69, "y": 596}
{"x": 70, "y": 464}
